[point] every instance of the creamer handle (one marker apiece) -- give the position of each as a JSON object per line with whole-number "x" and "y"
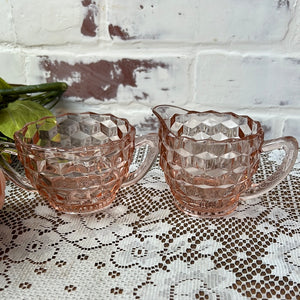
{"x": 290, "y": 146}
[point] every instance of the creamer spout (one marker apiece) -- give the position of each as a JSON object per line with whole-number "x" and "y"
{"x": 165, "y": 112}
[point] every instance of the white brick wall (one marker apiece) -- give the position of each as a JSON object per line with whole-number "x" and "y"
{"x": 256, "y": 80}
{"x": 127, "y": 56}
{"x": 38, "y": 23}
{"x": 216, "y": 21}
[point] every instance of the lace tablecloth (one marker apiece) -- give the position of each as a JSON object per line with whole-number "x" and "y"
{"x": 142, "y": 247}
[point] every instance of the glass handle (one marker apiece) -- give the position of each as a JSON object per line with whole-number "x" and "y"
{"x": 9, "y": 171}
{"x": 151, "y": 140}
{"x": 290, "y": 146}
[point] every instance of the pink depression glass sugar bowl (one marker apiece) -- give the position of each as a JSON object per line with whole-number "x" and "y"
{"x": 2, "y": 188}
{"x": 209, "y": 158}
{"x": 78, "y": 162}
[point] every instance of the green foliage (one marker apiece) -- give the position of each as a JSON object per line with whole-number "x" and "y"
{"x": 18, "y": 113}
{"x": 25, "y": 103}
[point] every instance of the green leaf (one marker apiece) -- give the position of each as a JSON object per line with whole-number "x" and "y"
{"x": 18, "y": 113}
{"x": 6, "y": 98}
{"x": 4, "y": 84}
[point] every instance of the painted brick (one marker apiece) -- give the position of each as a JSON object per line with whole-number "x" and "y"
{"x": 233, "y": 80}
{"x": 294, "y": 32}
{"x": 215, "y": 21}
{"x": 6, "y": 24}
{"x": 125, "y": 57}
{"x": 12, "y": 64}
{"x": 54, "y": 22}
{"x": 292, "y": 127}
{"x": 122, "y": 79}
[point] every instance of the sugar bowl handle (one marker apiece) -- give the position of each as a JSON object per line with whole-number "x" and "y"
{"x": 10, "y": 172}
{"x": 151, "y": 140}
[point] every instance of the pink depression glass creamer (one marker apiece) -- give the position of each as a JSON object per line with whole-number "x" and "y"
{"x": 78, "y": 162}
{"x": 209, "y": 158}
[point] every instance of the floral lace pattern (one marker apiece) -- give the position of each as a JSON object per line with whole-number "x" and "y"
{"x": 142, "y": 247}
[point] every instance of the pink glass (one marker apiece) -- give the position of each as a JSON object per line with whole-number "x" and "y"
{"x": 78, "y": 162}
{"x": 209, "y": 158}
{"x": 2, "y": 189}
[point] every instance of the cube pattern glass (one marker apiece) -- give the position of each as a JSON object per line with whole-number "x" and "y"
{"x": 77, "y": 161}
{"x": 209, "y": 159}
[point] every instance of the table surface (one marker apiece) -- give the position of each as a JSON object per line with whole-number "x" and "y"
{"x": 142, "y": 247}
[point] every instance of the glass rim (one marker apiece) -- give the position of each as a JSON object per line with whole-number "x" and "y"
{"x": 19, "y": 137}
{"x": 258, "y": 134}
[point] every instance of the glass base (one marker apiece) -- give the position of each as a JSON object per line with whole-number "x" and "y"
{"x": 205, "y": 213}
{"x": 83, "y": 209}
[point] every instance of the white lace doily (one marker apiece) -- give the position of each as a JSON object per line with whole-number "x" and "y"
{"x": 142, "y": 247}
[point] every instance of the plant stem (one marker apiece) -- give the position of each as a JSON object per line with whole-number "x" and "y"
{"x": 37, "y": 88}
